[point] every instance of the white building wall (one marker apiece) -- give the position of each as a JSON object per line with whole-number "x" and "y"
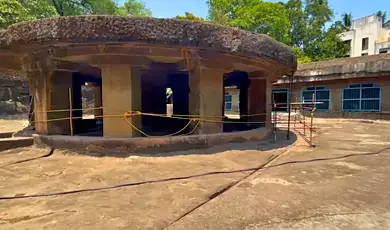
{"x": 384, "y": 40}
{"x": 350, "y": 35}
{"x": 368, "y": 27}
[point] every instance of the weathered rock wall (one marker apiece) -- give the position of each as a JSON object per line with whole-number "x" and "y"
{"x": 14, "y": 96}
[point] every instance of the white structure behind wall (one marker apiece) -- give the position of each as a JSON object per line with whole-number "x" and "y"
{"x": 367, "y": 37}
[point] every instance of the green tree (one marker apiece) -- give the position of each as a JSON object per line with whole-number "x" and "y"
{"x": 190, "y": 16}
{"x": 347, "y": 20}
{"x": 108, "y": 7}
{"x": 301, "y": 56}
{"x": 318, "y": 41}
{"x": 134, "y": 8}
{"x": 80, "y": 7}
{"x": 387, "y": 24}
{"x": 254, "y": 15}
{"x": 332, "y": 47}
{"x": 296, "y": 14}
{"x": 77, "y": 7}
{"x": 39, "y": 8}
{"x": 317, "y": 15}
{"x": 217, "y": 16}
{"x": 383, "y": 15}
{"x": 300, "y": 23}
{"x": 11, "y": 11}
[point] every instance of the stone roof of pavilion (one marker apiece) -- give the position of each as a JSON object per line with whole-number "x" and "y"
{"x": 85, "y": 29}
{"x": 344, "y": 68}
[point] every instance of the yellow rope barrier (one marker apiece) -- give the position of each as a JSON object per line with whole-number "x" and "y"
{"x": 157, "y": 115}
{"x": 193, "y": 130}
{"x": 253, "y": 115}
{"x": 191, "y": 118}
{"x": 130, "y": 114}
{"x": 178, "y": 116}
{"x": 184, "y": 116}
{"x": 205, "y": 120}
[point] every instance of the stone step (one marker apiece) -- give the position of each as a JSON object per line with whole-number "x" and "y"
{"x": 6, "y": 134}
{"x": 15, "y": 142}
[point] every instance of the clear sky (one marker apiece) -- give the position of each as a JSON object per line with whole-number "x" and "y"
{"x": 171, "y": 8}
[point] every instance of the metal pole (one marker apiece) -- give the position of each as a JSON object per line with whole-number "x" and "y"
{"x": 70, "y": 112}
{"x": 304, "y": 122}
{"x": 274, "y": 115}
{"x": 295, "y": 116}
{"x": 311, "y": 120}
{"x": 289, "y": 107}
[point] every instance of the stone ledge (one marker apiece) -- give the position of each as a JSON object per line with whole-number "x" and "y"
{"x": 17, "y": 142}
{"x": 122, "y": 147}
{"x": 101, "y": 29}
{"x": 345, "y": 68}
{"x": 6, "y": 134}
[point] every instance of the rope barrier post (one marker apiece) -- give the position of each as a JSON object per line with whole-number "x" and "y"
{"x": 304, "y": 120}
{"x": 31, "y": 115}
{"x": 289, "y": 107}
{"x": 295, "y": 116}
{"x": 70, "y": 112}
{"x": 274, "y": 115}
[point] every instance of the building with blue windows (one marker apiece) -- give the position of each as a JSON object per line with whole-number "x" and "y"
{"x": 356, "y": 87}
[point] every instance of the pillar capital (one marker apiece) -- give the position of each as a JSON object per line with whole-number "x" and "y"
{"x": 216, "y": 66}
{"x": 257, "y": 75}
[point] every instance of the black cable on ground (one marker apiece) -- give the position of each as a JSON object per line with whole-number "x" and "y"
{"x": 262, "y": 167}
{"x": 223, "y": 190}
{"x": 216, "y": 194}
{"x": 329, "y": 158}
{"x": 125, "y": 185}
{"x": 31, "y": 159}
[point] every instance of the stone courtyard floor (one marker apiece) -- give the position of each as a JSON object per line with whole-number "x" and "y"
{"x": 12, "y": 123}
{"x": 340, "y": 184}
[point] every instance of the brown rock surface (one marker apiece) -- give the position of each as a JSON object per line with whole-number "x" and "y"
{"x": 79, "y": 29}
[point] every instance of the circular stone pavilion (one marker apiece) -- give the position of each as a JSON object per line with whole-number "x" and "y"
{"x": 131, "y": 62}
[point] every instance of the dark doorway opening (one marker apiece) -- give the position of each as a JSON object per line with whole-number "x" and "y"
{"x": 281, "y": 98}
{"x": 165, "y": 92}
{"x": 86, "y": 98}
{"x": 235, "y": 107}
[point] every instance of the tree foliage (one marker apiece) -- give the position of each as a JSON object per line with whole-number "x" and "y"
{"x": 303, "y": 24}
{"x": 134, "y": 8}
{"x": 39, "y": 8}
{"x": 80, "y": 7}
{"x": 383, "y": 16}
{"x": 297, "y": 17}
{"x": 347, "y": 20}
{"x": 218, "y": 16}
{"x": 190, "y": 16}
{"x": 254, "y": 15}
{"x": 13, "y": 11}
{"x": 317, "y": 14}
